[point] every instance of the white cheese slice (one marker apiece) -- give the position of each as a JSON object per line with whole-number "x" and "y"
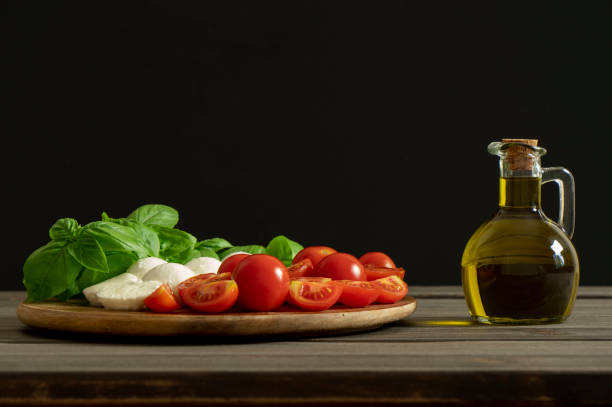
{"x": 91, "y": 293}
{"x": 203, "y": 265}
{"x": 130, "y": 296}
{"x": 142, "y": 266}
{"x": 171, "y": 273}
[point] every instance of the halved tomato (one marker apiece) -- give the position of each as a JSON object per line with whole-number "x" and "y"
{"x": 314, "y": 296}
{"x": 374, "y": 273}
{"x": 216, "y": 296}
{"x": 162, "y": 300}
{"x": 288, "y": 299}
{"x": 392, "y": 290}
{"x": 300, "y": 269}
{"x": 313, "y": 279}
{"x": 208, "y": 277}
{"x": 358, "y": 293}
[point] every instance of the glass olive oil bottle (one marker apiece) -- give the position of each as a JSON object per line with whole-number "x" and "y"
{"x": 520, "y": 267}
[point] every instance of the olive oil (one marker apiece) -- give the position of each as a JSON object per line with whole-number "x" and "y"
{"x": 520, "y": 267}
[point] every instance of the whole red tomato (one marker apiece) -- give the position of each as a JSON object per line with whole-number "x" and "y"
{"x": 377, "y": 259}
{"x": 263, "y": 282}
{"x": 314, "y": 253}
{"x": 229, "y": 264}
{"x": 340, "y": 266}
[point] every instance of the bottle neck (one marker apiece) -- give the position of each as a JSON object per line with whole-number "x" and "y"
{"x": 520, "y": 192}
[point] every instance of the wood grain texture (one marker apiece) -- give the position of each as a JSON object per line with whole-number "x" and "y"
{"x": 76, "y": 317}
{"x": 434, "y": 357}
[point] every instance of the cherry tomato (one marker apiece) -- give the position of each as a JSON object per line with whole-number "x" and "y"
{"x": 208, "y": 277}
{"x": 162, "y": 300}
{"x": 377, "y": 259}
{"x": 313, "y": 279}
{"x": 310, "y": 279}
{"x": 314, "y": 296}
{"x": 314, "y": 253}
{"x": 358, "y": 293}
{"x": 374, "y": 273}
{"x": 340, "y": 266}
{"x": 229, "y": 264}
{"x": 300, "y": 269}
{"x": 216, "y": 296}
{"x": 393, "y": 289}
{"x": 263, "y": 282}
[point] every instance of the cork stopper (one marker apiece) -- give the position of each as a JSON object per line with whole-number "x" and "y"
{"x": 520, "y": 158}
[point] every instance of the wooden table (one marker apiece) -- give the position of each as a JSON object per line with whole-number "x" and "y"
{"x": 434, "y": 357}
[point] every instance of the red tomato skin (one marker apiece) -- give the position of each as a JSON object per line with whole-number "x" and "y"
{"x": 162, "y": 300}
{"x": 208, "y": 277}
{"x": 340, "y": 266}
{"x": 302, "y": 268}
{"x": 377, "y": 259}
{"x": 263, "y": 282}
{"x": 392, "y": 289}
{"x": 357, "y": 294}
{"x": 374, "y": 273}
{"x": 300, "y": 290}
{"x": 229, "y": 264}
{"x": 314, "y": 253}
{"x": 288, "y": 299}
{"x": 223, "y": 294}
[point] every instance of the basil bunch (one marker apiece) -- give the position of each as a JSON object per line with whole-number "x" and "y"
{"x": 80, "y": 256}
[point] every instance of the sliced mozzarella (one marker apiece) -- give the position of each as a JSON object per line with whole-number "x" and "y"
{"x": 91, "y": 293}
{"x": 171, "y": 273}
{"x": 203, "y": 265}
{"x": 130, "y": 296}
{"x": 142, "y": 266}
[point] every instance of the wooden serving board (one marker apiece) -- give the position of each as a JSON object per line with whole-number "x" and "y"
{"x": 79, "y": 317}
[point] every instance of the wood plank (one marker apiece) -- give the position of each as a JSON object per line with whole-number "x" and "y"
{"x": 372, "y": 389}
{"x": 493, "y": 356}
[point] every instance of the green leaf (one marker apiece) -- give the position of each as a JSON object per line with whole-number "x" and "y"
{"x": 69, "y": 292}
{"x": 173, "y": 242}
{"x": 216, "y": 244}
{"x": 64, "y": 229}
{"x": 160, "y": 215}
{"x": 49, "y": 271}
{"x": 88, "y": 252}
{"x": 283, "y": 249}
{"x": 118, "y": 262}
{"x": 252, "y": 249}
{"x": 195, "y": 253}
{"x": 147, "y": 236}
{"x": 114, "y": 237}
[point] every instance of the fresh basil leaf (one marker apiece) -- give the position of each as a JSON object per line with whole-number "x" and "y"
{"x": 88, "y": 252}
{"x": 252, "y": 249}
{"x": 49, "y": 271}
{"x": 148, "y": 237}
{"x": 173, "y": 242}
{"x": 195, "y": 253}
{"x": 114, "y": 237}
{"x": 64, "y": 229}
{"x": 216, "y": 244}
{"x": 283, "y": 249}
{"x": 70, "y": 292}
{"x": 118, "y": 262}
{"x": 160, "y": 215}
{"x": 206, "y": 252}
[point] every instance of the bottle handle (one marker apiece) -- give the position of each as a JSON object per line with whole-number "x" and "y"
{"x": 567, "y": 196}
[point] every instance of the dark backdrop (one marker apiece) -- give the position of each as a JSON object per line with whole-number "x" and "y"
{"x": 359, "y": 125}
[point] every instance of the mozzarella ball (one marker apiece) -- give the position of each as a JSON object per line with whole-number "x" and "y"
{"x": 203, "y": 265}
{"x": 91, "y": 292}
{"x": 129, "y": 297}
{"x": 142, "y": 266}
{"x": 171, "y": 273}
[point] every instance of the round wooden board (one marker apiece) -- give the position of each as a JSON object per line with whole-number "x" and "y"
{"x": 77, "y": 317}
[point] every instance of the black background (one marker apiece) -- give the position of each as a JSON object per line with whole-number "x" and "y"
{"x": 359, "y": 125}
